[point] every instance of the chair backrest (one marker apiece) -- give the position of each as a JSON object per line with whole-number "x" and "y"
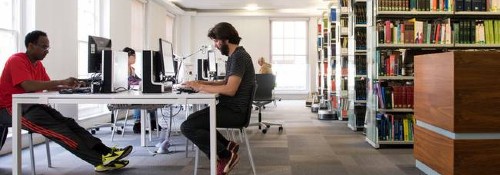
{"x": 250, "y": 105}
{"x": 265, "y": 83}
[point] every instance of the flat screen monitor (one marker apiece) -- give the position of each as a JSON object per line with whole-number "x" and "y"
{"x": 212, "y": 65}
{"x": 167, "y": 54}
{"x": 95, "y": 47}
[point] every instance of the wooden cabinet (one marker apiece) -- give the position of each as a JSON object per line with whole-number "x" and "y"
{"x": 457, "y": 102}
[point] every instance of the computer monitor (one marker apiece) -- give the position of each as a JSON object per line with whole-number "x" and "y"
{"x": 95, "y": 47}
{"x": 167, "y": 60}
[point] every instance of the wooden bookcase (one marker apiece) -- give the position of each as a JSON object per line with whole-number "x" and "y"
{"x": 457, "y": 112}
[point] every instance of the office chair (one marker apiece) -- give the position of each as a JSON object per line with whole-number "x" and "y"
{"x": 263, "y": 96}
{"x": 5, "y": 130}
{"x": 115, "y": 108}
{"x": 243, "y": 134}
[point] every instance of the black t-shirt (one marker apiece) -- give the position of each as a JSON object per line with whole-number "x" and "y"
{"x": 239, "y": 64}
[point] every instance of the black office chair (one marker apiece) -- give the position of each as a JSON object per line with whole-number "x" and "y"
{"x": 263, "y": 96}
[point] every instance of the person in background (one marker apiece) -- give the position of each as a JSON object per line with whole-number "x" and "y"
{"x": 235, "y": 95}
{"x": 265, "y": 68}
{"x": 25, "y": 73}
{"x": 133, "y": 83}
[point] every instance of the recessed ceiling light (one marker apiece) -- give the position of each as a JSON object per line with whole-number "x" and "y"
{"x": 252, "y": 7}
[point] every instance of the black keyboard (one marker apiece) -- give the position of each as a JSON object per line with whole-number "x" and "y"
{"x": 80, "y": 90}
{"x": 186, "y": 90}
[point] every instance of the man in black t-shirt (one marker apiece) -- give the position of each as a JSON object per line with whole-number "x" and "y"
{"x": 235, "y": 94}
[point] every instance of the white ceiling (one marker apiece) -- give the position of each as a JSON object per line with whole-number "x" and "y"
{"x": 280, "y": 7}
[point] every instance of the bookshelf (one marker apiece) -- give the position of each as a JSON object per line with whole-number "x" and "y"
{"x": 344, "y": 32}
{"x": 326, "y": 47}
{"x": 331, "y": 57}
{"x": 357, "y": 69}
{"x": 456, "y": 111}
{"x": 323, "y": 61}
{"x": 398, "y": 33}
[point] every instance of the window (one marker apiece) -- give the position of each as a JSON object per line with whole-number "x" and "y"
{"x": 289, "y": 54}
{"x": 89, "y": 23}
{"x": 9, "y": 30}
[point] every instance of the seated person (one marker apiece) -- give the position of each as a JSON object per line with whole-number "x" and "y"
{"x": 265, "y": 68}
{"x": 235, "y": 94}
{"x": 25, "y": 73}
{"x": 134, "y": 80}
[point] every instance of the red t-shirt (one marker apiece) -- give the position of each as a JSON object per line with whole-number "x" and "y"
{"x": 18, "y": 68}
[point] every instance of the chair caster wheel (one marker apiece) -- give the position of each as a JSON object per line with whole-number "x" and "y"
{"x": 92, "y": 131}
{"x": 267, "y": 126}
{"x": 280, "y": 129}
{"x": 264, "y": 131}
{"x": 118, "y": 131}
{"x": 97, "y": 129}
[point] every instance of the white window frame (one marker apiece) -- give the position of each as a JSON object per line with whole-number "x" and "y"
{"x": 13, "y": 32}
{"x": 99, "y": 16}
{"x": 291, "y": 74}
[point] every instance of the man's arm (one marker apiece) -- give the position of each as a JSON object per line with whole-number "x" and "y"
{"x": 228, "y": 89}
{"x": 213, "y": 83}
{"x": 34, "y": 85}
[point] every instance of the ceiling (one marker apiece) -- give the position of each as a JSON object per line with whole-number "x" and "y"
{"x": 265, "y": 7}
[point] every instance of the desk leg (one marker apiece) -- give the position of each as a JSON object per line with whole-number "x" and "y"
{"x": 143, "y": 127}
{"x": 16, "y": 138}
{"x": 213, "y": 139}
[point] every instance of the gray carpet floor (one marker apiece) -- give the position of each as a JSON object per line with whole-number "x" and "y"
{"x": 306, "y": 146}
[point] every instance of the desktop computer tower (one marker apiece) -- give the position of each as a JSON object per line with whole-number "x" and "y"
{"x": 114, "y": 71}
{"x": 107, "y": 71}
{"x": 148, "y": 83}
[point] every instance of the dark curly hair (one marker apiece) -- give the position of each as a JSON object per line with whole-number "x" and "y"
{"x": 33, "y": 36}
{"x": 129, "y": 50}
{"x": 224, "y": 31}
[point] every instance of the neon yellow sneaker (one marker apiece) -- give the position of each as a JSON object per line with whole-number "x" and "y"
{"x": 116, "y": 154}
{"x": 112, "y": 166}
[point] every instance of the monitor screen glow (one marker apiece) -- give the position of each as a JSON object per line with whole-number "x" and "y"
{"x": 168, "y": 57}
{"x": 212, "y": 66}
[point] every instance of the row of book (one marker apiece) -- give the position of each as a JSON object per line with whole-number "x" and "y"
{"x": 360, "y": 11}
{"x": 359, "y": 112}
{"x": 415, "y": 5}
{"x": 439, "y": 31}
{"x": 360, "y": 36}
{"x": 360, "y": 89}
{"x": 393, "y": 96}
{"x": 360, "y": 63}
{"x": 439, "y": 5}
{"x": 393, "y": 63}
{"x": 395, "y": 127}
{"x": 433, "y": 31}
{"x": 477, "y": 31}
{"x": 322, "y": 82}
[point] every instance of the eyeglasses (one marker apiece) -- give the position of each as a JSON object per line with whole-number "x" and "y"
{"x": 44, "y": 48}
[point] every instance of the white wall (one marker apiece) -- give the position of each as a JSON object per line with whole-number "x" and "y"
{"x": 156, "y": 22}
{"x": 120, "y": 23}
{"x": 59, "y": 19}
{"x": 254, "y": 31}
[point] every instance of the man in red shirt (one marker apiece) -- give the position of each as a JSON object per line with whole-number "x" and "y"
{"x": 25, "y": 73}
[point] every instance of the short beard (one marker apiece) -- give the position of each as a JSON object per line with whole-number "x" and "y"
{"x": 224, "y": 49}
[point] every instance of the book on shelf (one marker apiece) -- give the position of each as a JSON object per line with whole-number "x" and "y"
{"x": 395, "y": 127}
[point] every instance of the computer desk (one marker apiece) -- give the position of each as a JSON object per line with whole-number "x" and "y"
{"x": 128, "y": 97}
